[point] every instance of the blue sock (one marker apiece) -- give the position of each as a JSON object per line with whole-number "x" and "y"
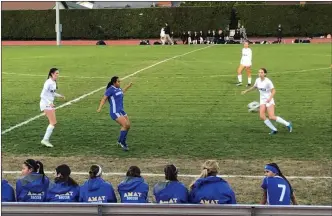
{"x": 125, "y": 138}
{"x": 122, "y": 137}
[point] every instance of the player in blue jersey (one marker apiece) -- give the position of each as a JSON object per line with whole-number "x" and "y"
{"x": 114, "y": 95}
{"x": 277, "y": 189}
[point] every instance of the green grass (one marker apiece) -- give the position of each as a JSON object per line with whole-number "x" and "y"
{"x": 185, "y": 107}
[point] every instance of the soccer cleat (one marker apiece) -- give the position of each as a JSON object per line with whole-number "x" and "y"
{"x": 290, "y": 127}
{"x": 46, "y": 143}
{"x": 239, "y": 84}
{"x": 123, "y": 146}
{"x": 273, "y": 132}
{"x": 248, "y": 85}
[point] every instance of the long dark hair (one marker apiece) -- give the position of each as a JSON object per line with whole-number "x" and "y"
{"x": 281, "y": 175}
{"x": 113, "y": 80}
{"x": 36, "y": 167}
{"x": 171, "y": 172}
{"x": 133, "y": 171}
{"x": 52, "y": 71}
{"x": 65, "y": 171}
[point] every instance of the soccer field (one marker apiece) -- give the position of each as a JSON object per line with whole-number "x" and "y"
{"x": 184, "y": 108}
{"x": 187, "y": 106}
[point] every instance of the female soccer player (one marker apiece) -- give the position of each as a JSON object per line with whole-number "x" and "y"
{"x": 267, "y": 92}
{"x": 171, "y": 190}
{"x": 64, "y": 188}
{"x": 34, "y": 184}
{"x": 133, "y": 189}
{"x": 46, "y": 103}
{"x": 114, "y": 94}
{"x": 246, "y": 62}
{"x": 211, "y": 189}
{"x": 277, "y": 189}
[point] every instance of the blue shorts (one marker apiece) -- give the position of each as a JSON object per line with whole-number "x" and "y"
{"x": 114, "y": 116}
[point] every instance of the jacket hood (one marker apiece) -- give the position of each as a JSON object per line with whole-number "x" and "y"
{"x": 34, "y": 182}
{"x": 210, "y": 179}
{"x": 130, "y": 183}
{"x": 95, "y": 184}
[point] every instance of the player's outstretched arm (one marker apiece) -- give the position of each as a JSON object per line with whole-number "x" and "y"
{"x": 102, "y": 102}
{"x": 248, "y": 90}
{"x": 127, "y": 87}
{"x": 59, "y": 95}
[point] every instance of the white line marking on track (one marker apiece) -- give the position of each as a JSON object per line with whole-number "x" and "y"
{"x": 99, "y": 89}
{"x": 182, "y": 175}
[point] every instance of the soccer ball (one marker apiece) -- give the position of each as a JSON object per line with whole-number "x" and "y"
{"x": 253, "y": 106}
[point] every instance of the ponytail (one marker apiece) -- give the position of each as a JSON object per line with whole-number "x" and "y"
{"x": 41, "y": 169}
{"x": 95, "y": 171}
{"x": 282, "y": 176}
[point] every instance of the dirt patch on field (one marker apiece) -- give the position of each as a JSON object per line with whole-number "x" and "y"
{"x": 185, "y": 165}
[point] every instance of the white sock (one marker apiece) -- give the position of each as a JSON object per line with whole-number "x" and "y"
{"x": 239, "y": 77}
{"x": 249, "y": 80}
{"x": 48, "y": 132}
{"x": 270, "y": 125}
{"x": 282, "y": 121}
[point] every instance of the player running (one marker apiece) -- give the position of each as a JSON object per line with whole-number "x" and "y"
{"x": 267, "y": 92}
{"x": 114, "y": 95}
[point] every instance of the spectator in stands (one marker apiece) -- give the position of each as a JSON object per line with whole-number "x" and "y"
{"x": 167, "y": 34}
{"x": 201, "y": 37}
{"x": 209, "y": 38}
{"x": 162, "y": 36}
{"x": 96, "y": 189}
{"x": 277, "y": 189}
{"x": 189, "y": 38}
{"x": 133, "y": 189}
{"x": 7, "y": 192}
{"x": 279, "y": 33}
{"x": 171, "y": 190}
{"x": 34, "y": 184}
{"x": 210, "y": 189}
{"x": 220, "y": 37}
{"x": 64, "y": 188}
{"x": 215, "y": 36}
{"x": 195, "y": 38}
{"x": 184, "y": 37}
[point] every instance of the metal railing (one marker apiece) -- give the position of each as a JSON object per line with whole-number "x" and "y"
{"x": 87, "y": 209}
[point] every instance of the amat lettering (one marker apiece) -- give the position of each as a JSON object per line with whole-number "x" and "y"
{"x": 214, "y": 202}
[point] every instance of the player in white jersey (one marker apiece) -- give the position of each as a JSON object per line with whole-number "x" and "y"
{"x": 46, "y": 103}
{"x": 267, "y": 92}
{"x": 246, "y": 62}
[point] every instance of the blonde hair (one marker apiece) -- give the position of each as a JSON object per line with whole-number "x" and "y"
{"x": 210, "y": 167}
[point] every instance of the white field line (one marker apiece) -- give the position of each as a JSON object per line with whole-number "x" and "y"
{"x": 177, "y": 77}
{"x": 97, "y": 90}
{"x": 183, "y": 175}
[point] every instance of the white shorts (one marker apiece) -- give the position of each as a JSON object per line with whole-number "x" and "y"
{"x": 45, "y": 106}
{"x": 263, "y": 101}
{"x": 245, "y": 63}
